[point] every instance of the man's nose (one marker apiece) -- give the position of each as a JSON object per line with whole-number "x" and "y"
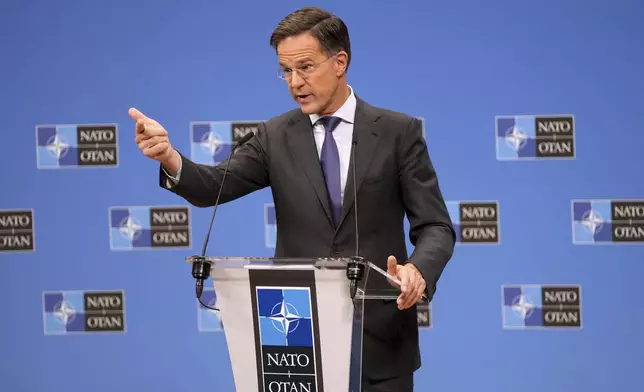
{"x": 296, "y": 80}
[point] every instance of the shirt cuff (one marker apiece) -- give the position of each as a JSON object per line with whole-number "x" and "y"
{"x": 170, "y": 180}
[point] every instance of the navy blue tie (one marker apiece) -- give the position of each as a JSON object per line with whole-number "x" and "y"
{"x": 330, "y": 160}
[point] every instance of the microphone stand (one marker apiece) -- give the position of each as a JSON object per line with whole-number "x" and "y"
{"x": 355, "y": 268}
{"x": 200, "y": 266}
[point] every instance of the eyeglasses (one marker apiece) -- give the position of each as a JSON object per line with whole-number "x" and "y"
{"x": 303, "y": 70}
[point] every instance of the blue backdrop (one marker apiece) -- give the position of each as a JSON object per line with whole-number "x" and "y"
{"x": 457, "y": 64}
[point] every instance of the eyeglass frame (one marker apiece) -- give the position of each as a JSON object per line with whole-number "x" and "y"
{"x": 281, "y": 72}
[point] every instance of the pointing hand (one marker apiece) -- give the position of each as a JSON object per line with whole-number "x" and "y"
{"x": 153, "y": 141}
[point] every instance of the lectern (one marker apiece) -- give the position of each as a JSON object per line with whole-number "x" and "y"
{"x": 295, "y": 324}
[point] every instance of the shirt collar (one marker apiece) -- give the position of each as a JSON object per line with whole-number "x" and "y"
{"x": 346, "y": 112}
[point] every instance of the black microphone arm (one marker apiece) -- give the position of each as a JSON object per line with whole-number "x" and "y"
{"x": 201, "y": 268}
{"x": 355, "y": 268}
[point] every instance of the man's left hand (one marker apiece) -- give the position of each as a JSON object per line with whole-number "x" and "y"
{"x": 412, "y": 283}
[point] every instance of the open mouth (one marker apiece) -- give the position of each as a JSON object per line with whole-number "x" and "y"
{"x": 304, "y": 97}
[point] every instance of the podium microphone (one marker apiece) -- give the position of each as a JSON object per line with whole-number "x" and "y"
{"x": 201, "y": 268}
{"x": 355, "y": 268}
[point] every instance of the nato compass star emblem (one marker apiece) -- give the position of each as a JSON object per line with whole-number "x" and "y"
{"x": 592, "y": 221}
{"x": 57, "y": 147}
{"x": 516, "y": 138}
{"x": 211, "y": 143}
{"x": 522, "y": 306}
{"x": 285, "y": 317}
{"x": 64, "y": 312}
{"x": 130, "y": 228}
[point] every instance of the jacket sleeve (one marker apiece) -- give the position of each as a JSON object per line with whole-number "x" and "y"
{"x": 431, "y": 230}
{"x": 199, "y": 184}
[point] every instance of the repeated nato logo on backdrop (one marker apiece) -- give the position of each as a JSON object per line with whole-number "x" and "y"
{"x": 76, "y": 145}
{"x": 530, "y": 306}
{"x": 17, "y": 231}
{"x": 596, "y": 222}
{"x": 82, "y": 312}
{"x": 143, "y": 228}
{"x": 211, "y": 141}
{"x": 532, "y": 137}
{"x": 475, "y": 222}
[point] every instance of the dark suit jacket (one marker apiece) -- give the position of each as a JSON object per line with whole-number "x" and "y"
{"x": 394, "y": 177}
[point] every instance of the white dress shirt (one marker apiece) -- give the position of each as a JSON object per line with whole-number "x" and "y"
{"x": 343, "y": 135}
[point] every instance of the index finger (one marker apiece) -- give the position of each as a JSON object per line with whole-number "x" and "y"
{"x": 136, "y": 114}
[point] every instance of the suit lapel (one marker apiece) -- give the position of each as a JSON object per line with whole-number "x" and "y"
{"x": 302, "y": 145}
{"x": 365, "y": 132}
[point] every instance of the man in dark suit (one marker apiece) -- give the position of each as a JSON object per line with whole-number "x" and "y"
{"x": 304, "y": 155}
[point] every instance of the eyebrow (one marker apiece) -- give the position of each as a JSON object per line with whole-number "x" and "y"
{"x": 298, "y": 61}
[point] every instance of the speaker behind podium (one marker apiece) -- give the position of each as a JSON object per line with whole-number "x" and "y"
{"x": 295, "y": 324}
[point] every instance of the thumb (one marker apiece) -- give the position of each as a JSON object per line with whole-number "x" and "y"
{"x": 136, "y": 114}
{"x": 392, "y": 266}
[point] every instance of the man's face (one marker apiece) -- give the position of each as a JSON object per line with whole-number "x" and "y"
{"x": 312, "y": 77}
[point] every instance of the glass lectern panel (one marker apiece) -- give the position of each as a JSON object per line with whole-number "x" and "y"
{"x": 246, "y": 288}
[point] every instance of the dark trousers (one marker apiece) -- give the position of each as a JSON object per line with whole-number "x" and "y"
{"x": 403, "y": 383}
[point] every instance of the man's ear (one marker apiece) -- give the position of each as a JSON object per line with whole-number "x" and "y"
{"x": 341, "y": 62}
